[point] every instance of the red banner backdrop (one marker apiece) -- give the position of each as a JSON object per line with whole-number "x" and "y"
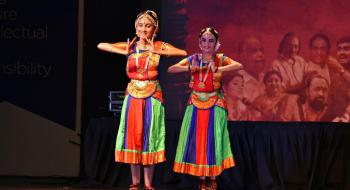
{"x": 304, "y": 77}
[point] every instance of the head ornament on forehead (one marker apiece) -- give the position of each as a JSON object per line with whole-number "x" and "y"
{"x": 209, "y": 30}
{"x": 151, "y": 15}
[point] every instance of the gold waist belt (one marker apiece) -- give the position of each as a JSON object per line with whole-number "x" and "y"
{"x": 142, "y": 88}
{"x": 203, "y": 100}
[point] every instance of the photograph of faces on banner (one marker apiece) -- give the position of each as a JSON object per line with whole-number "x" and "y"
{"x": 295, "y": 54}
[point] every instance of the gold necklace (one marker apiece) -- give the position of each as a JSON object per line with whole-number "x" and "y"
{"x": 201, "y": 83}
{"x": 138, "y": 69}
{"x": 142, "y": 46}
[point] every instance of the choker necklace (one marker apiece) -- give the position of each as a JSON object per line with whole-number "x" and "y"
{"x": 142, "y": 46}
{"x": 138, "y": 69}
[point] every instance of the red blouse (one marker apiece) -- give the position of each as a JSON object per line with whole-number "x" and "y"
{"x": 213, "y": 79}
{"x": 147, "y": 67}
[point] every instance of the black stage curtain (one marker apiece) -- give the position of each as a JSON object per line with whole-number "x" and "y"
{"x": 291, "y": 156}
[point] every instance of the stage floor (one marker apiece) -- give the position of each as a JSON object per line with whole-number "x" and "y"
{"x": 58, "y": 187}
{"x": 53, "y": 187}
{"x": 24, "y": 185}
{"x": 57, "y": 183}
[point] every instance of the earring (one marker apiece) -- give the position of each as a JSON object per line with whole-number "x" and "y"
{"x": 217, "y": 46}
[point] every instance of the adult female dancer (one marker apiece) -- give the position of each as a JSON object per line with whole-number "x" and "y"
{"x": 141, "y": 134}
{"x": 204, "y": 146}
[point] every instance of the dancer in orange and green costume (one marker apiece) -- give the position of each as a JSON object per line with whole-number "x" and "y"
{"x": 204, "y": 146}
{"x": 141, "y": 134}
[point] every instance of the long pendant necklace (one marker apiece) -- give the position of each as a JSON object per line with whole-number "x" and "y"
{"x": 201, "y": 83}
{"x": 139, "y": 70}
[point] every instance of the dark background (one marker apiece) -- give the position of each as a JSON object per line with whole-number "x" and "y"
{"x": 268, "y": 155}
